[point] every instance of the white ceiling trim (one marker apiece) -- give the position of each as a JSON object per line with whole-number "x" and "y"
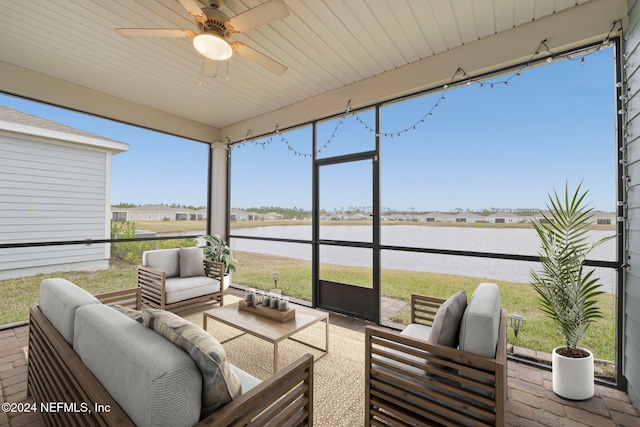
{"x": 588, "y": 23}
{"x": 366, "y": 51}
{"x": 64, "y": 137}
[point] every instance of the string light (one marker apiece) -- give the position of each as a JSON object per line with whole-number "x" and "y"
{"x": 543, "y": 48}
{"x": 623, "y": 207}
{"x": 335, "y": 130}
{"x": 284, "y": 140}
{"x": 414, "y": 126}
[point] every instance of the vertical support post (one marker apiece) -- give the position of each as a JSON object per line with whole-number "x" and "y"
{"x": 218, "y": 198}
{"x": 622, "y": 211}
{"x": 315, "y": 215}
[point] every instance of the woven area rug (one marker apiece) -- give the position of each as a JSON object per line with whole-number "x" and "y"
{"x": 338, "y": 382}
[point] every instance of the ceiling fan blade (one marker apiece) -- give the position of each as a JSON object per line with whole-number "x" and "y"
{"x": 194, "y": 10}
{"x": 259, "y": 15}
{"x": 209, "y": 67}
{"x": 155, "y": 32}
{"x": 259, "y": 58}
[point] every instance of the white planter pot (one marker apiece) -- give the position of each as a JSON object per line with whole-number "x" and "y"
{"x": 226, "y": 281}
{"x": 572, "y": 377}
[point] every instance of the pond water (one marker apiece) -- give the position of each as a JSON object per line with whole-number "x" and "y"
{"x": 519, "y": 241}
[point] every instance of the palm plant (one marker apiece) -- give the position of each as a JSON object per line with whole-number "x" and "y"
{"x": 568, "y": 294}
{"x": 217, "y": 249}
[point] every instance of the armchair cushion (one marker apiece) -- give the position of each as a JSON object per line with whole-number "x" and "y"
{"x": 220, "y": 384}
{"x": 191, "y": 262}
{"x": 182, "y": 288}
{"x": 446, "y": 323}
{"x": 481, "y": 321}
{"x": 167, "y": 260}
{"x": 417, "y": 330}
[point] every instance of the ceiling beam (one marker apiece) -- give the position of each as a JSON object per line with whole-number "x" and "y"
{"x": 41, "y": 87}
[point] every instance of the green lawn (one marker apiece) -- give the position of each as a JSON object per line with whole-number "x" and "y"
{"x": 295, "y": 279}
{"x": 538, "y": 334}
{"x": 19, "y": 294}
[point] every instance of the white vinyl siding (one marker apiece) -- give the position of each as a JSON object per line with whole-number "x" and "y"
{"x": 632, "y": 277}
{"x": 51, "y": 192}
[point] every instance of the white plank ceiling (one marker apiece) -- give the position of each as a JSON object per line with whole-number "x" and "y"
{"x": 326, "y": 45}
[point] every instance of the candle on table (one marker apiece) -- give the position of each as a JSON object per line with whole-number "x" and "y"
{"x": 274, "y": 300}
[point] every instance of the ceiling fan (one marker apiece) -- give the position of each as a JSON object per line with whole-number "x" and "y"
{"x": 215, "y": 28}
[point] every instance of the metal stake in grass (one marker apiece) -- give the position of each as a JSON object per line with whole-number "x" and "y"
{"x": 516, "y": 322}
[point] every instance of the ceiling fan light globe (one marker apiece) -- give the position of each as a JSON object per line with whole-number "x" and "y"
{"x": 212, "y": 46}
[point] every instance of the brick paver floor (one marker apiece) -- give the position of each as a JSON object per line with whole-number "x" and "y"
{"x": 531, "y": 400}
{"x": 13, "y": 376}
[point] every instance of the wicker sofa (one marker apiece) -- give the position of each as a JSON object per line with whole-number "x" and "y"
{"x": 412, "y": 381}
{"x": 180, "y": 279}
{"x": 108, "y": 369}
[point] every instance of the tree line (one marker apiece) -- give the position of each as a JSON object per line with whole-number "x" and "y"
{"x": 299, "y": 213}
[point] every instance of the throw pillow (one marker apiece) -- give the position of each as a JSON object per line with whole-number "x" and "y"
{"x": 446, "y": 323}
{"x": 220, "y": 385}
{"x": 129, "y": 312}
{"x": 191, "y": 262}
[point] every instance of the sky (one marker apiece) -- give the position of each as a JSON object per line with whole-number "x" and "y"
{"x": 503, "y": 147}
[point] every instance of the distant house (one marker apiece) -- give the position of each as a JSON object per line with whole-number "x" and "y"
{"x": 240, "y": 215}
{"x": 539, "y": 216}
{"x": 505, "y": 218}
{"x": 271, "y": 216}
{"x": 604, "y": 218}
{"x": 198, "y": 215}
{"x": 360, "y": 217}
{"x": 597, "y": 217}
{"x": 157, "y": 213}
{"x": 469, "y": 217}
{"x": 434, "y": 217}
{"x": 400, "y": 217}
{"x": 54, "y": 186}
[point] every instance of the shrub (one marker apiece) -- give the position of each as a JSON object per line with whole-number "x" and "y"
{"x": 131, "y": 252}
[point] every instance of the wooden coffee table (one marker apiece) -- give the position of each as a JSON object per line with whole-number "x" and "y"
{"x": 267, "y": 329}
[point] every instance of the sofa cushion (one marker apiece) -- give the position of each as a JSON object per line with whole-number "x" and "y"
{"x": 191, "y": 262}
{"x": 417, "y": 330}
{"x": 446, "y": 323}
{"x": 183, "y": 288}
{"x": 59, "y": 300}
{"x": 220, "y": 384}
{"x": 167, "y": 260}
{"x": 155, "y": 382}
{"x": 247, "y": 380}
{"x": 481, "y": 321}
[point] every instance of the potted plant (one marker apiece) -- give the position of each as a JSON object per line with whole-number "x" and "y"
{"x": 567, "y": 293}
{"x": 217, "y": 249}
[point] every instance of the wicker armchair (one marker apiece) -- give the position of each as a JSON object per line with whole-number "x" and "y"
{"x": 410, "y": 381}
{"x": 165, "y": 289}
